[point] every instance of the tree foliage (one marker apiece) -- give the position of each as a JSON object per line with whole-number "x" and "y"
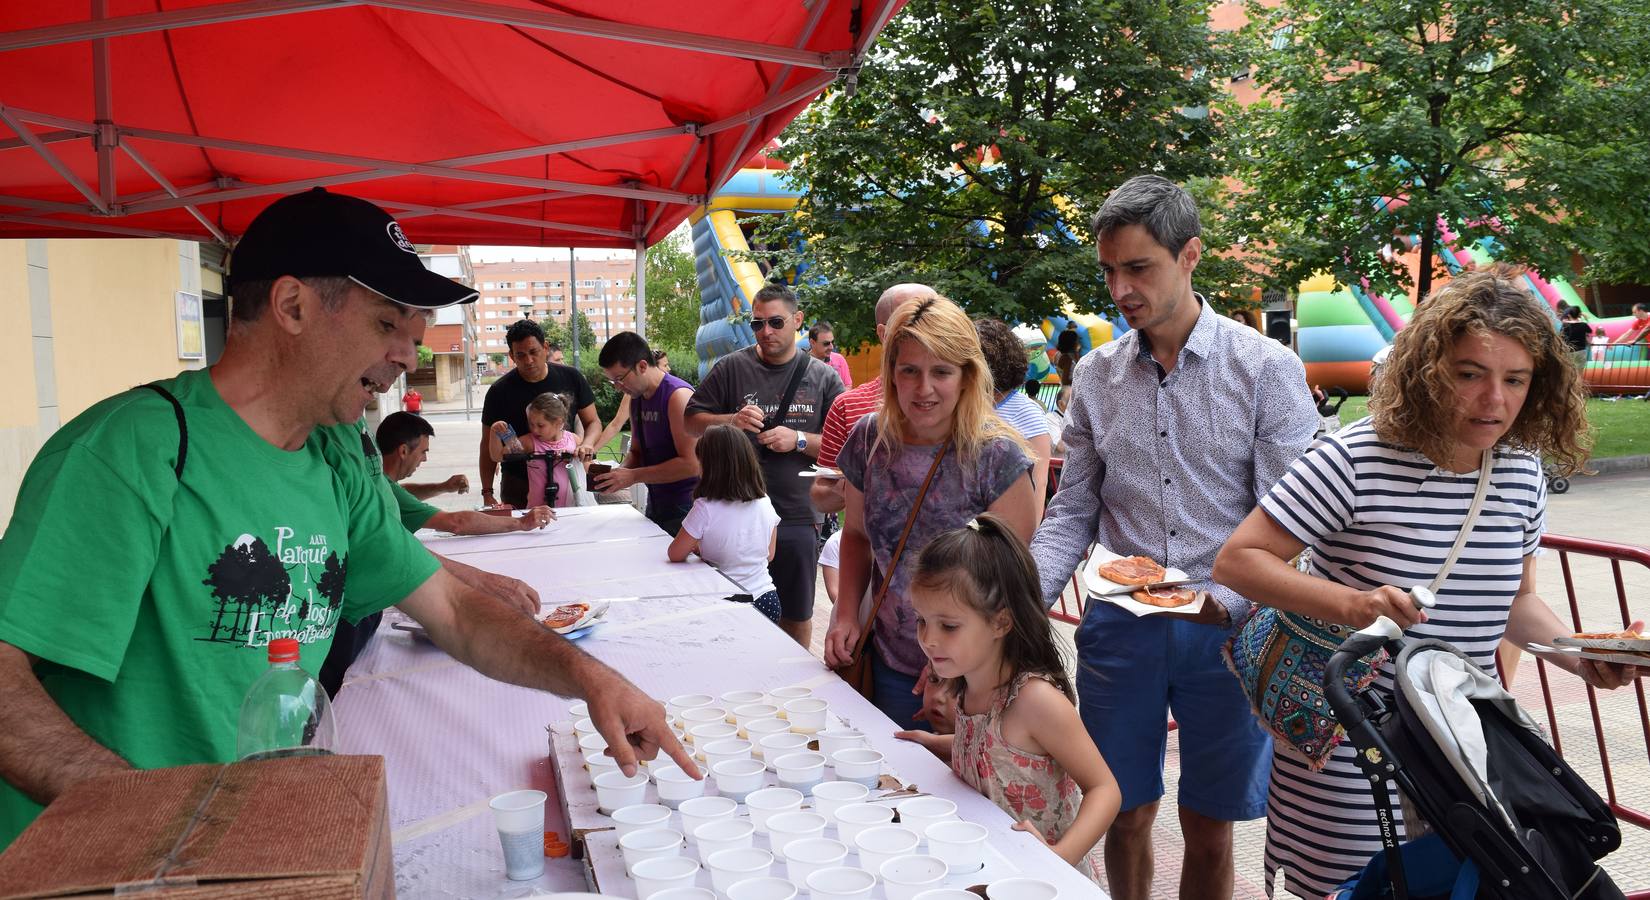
{"x": 556, "y": 333}
{"x": 1071, "y": 98}
{"x": 1524, "y": 120}
{"x": 672, "y": 293}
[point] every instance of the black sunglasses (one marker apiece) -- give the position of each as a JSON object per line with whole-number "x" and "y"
{"x": 772, "y": 322}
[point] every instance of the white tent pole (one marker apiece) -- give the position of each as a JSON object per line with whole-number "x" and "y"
{"x": 166, "y": 185}
{"x": 15, "y": 124}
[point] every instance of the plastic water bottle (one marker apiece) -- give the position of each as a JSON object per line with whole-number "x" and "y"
{"x": 286, "y": 712}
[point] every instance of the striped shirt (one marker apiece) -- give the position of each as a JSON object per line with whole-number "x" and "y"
{"x": 849, "y": 408}
{"x": 1375, "y": 514}
{"x": 1023, "y": 415}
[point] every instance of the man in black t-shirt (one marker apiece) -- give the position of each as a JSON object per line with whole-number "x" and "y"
{"x": 507, "y": 400}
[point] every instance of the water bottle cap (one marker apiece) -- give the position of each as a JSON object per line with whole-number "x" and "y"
{"x": 283, "y": 650}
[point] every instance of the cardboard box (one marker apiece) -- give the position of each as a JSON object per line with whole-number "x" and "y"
{"x": 312, "y": 827}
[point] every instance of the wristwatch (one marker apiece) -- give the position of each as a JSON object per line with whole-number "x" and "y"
{"x": 801, "y": 442}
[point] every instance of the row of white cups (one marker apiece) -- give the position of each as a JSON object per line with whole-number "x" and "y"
{"x": 737, "y": 737}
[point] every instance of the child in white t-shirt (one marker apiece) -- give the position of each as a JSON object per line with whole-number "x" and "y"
{"x": 732, "y": 525}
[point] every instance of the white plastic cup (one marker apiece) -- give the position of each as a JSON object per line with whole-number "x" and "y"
{"x": 721, "y": 751}
{"x": 752, "y": 712}
{"x": 829, "y": 796}
{"x": 786, "y": 828}
{"x": 781, "y": 696}
{"x": 773, "y": 746}
{"x": 734, "y": 699}
{"x": 757, "y": 729}
{"x": 960, "y": 844}
{"x": 597, "y": 761}
{"x": 687, "y": 893}
{"x": 842, "y": 883}
{"x": 578, "y": 709}
{"x": 702, "y": 810}
{"x": 1021, "y": 888}
{"x": 591, "y": 743}
{"x": 710, "y": 733}
{"x": 701, "y": 715}
{"x": 676, "y": 785}
{"x": 934, "y": 894}
{"x": 920, "y": 812}
{"x": 736, "y": 778}
{"x": 833, "y": 739}
{"x": 766, "y": 888}
{"x": 805, "y": 856}
{"x": 729, "y": 867}
{"x": 904, "y": 877}
{"x": 675, "y": 706}
{"x": 639, "y": 817}
{"x": 519, "y": 817}
{"x": 662, "y": 874}
{"x": 852, "y": 818}
{"x": 800, "y": 770}
{"x": 858, "y": 764}
{"x": 646, "y": 843}
{"x": 884, "y": 842}
{"x": 584, "y": 728}
{"x": 616, "y": 790}
{"x": 723, "y": 834}
{"x": 769, "y": 802}
{"x": 807, "y": 716}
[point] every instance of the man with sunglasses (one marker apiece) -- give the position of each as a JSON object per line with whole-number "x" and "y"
{"x": 746, "y": 389}
{"x": 662, "y": 454}
{"x": 822, "y": 346}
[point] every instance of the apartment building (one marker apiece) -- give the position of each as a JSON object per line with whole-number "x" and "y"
{"x": 543, "y": 289}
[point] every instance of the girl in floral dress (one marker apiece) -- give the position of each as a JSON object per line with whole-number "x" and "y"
{"x": 1019, "y": 741}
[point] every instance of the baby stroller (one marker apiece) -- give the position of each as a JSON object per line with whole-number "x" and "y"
{"x": 1510, "y": 819}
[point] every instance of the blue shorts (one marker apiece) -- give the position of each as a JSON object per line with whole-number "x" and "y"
{"x": 1133, "y": 672}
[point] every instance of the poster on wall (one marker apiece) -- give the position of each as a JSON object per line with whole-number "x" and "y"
{"x": 191, "y": 328}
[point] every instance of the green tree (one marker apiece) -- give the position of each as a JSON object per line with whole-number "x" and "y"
{"x": 672, "y": 293}
{"x": 1071, "y": 97}
{"x": 1505, "y": 118}
{"x": 556, "y": 333}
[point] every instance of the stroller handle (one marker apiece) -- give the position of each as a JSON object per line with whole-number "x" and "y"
{"x": 1363, "y": 642}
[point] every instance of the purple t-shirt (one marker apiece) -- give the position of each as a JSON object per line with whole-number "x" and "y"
{"x": 651, "y": 420}
{"x": 962, "y": 489}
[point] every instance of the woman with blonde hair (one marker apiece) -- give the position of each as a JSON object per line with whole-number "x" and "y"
{"x": 1478, "y": 378}
{"x": 935, "y": 456}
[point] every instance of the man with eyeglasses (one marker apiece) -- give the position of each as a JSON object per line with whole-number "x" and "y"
{"x": 746, "y": 389}
{"x": 822, "y": 346}
{"x": 662, "y": 453}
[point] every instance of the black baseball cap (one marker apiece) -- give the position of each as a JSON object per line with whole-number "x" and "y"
{"x": 318, "y": 234}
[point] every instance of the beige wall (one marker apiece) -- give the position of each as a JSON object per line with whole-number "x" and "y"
{"x": 81, "y": 320}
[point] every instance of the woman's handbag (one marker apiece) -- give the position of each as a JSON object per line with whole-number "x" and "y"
{"x": 1279, "y": 658}
{"x": 857, "y": 672}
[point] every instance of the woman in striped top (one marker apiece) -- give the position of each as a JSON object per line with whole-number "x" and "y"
{"x": 1381, "y": 502}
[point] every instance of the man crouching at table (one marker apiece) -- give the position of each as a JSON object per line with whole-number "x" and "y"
{"x": 163, "y": 537}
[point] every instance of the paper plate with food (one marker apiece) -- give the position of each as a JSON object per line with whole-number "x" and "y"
{"x": 566, "y": 619}
{"x": 1628, "y": 648}
{"x": 1140, "y": 584}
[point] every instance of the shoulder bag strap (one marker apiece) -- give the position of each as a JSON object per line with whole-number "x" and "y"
{"x": 183, "y": 425}
{"x": 1484, "y": 466}
{"x": 893, "y": 561}
{"x": 798, "y": 369}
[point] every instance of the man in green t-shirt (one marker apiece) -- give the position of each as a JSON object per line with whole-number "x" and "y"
{"x": 404, "y": 441}
{"x": 156, "y": 550}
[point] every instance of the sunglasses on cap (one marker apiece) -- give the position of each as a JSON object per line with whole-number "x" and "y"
{"x": 772, "y": 322}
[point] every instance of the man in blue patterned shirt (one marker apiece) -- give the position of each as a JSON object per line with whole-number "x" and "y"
{"x": 1175, "y": 431}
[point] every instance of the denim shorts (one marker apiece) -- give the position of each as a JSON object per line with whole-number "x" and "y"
{"x": 1133, "y": 673}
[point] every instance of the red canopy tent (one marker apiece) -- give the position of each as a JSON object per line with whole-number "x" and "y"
{"x": 580, "y": 123}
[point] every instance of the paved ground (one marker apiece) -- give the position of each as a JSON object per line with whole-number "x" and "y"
{"x": 1611, "y": 508}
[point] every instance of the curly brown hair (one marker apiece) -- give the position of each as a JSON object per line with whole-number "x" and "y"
{"x": 1411, "y": 400}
